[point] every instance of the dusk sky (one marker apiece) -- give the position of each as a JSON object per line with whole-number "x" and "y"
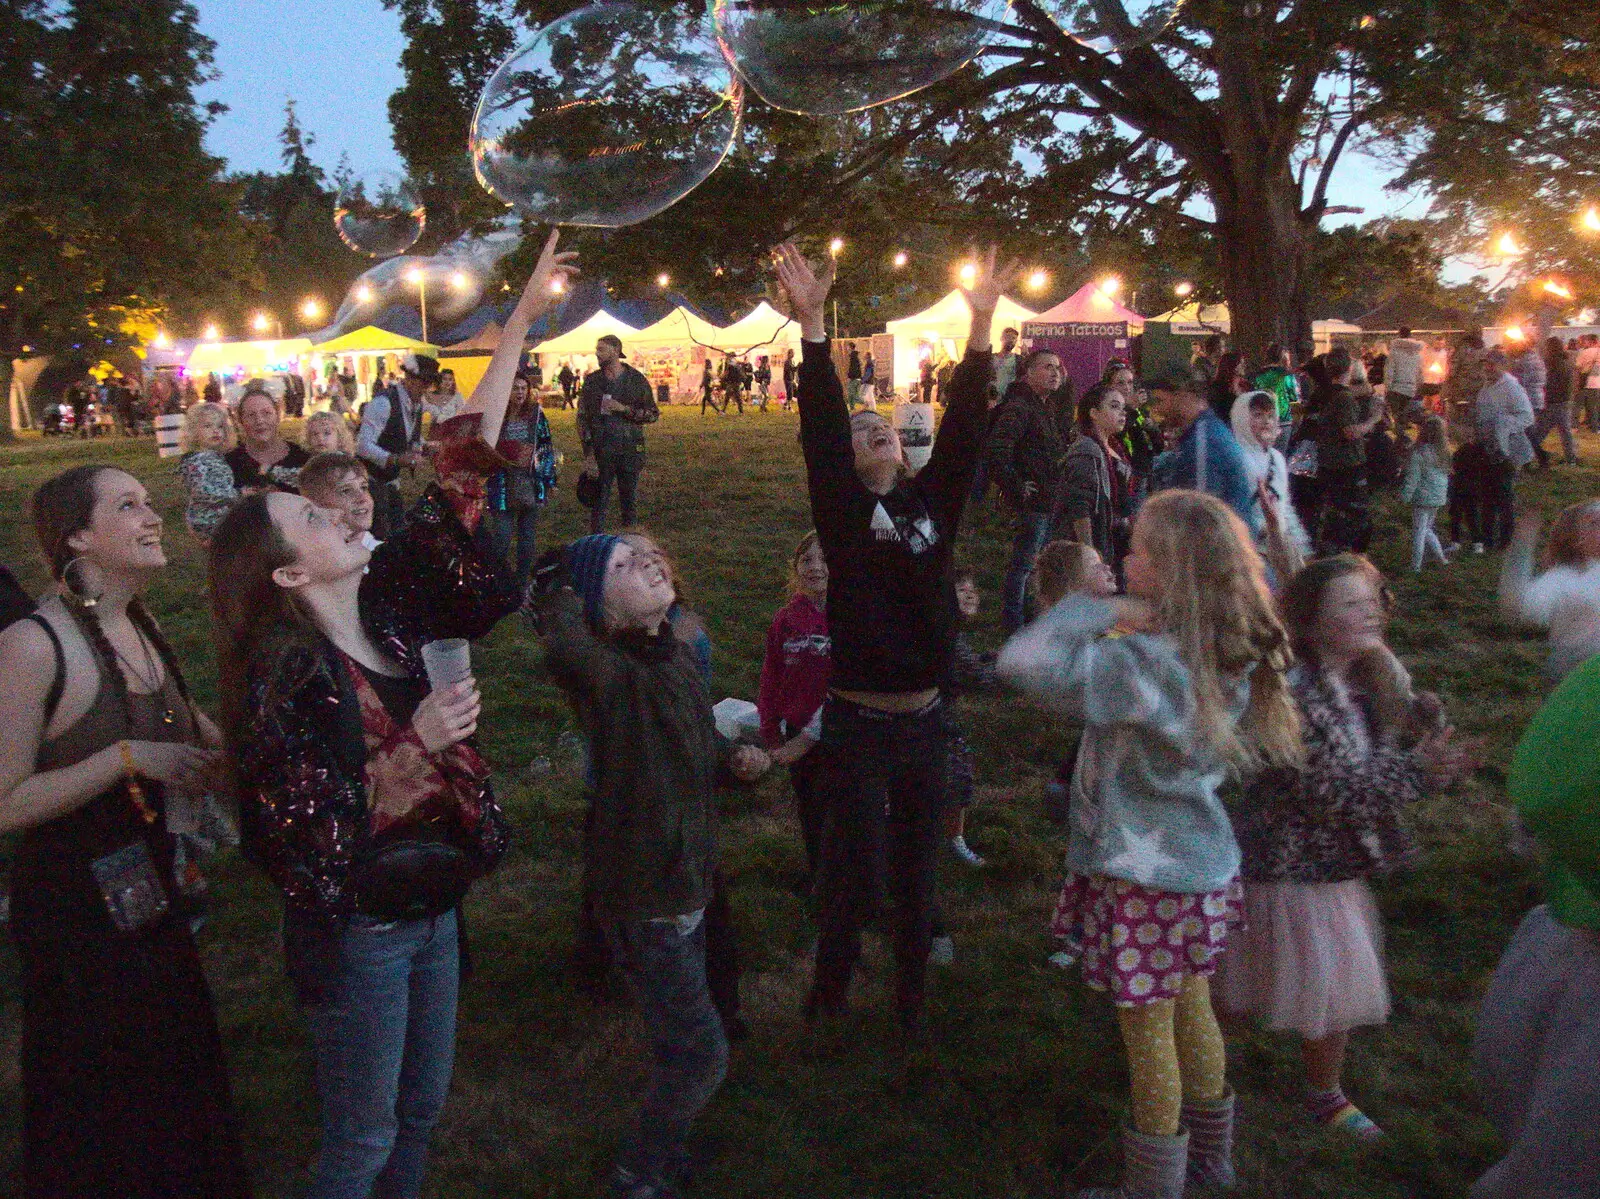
{"x": 339, "y": 60}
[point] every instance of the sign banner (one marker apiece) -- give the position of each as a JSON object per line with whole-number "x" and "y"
{"x": 1038, "y": 330}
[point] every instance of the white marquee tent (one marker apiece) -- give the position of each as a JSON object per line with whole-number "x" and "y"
{"x": 580, "y": 340}
{"x": 942, "y": 331}
{"x": 765, "y": 327}
{"x": 680, "y": 327}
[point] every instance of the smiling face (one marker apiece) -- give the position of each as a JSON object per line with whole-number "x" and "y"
{"x": 350, "y": 495}
{"x": 1264, "y": 426}
{"x": 638, "y": 586}
{"x": 326, "y": 549}
{"x": 1350, "y": 618}
{"x": 123, "y": 536}
{"x": 811, "y": 568}
{"x": 874, "y": 441}
{"x": 258, "y": 417}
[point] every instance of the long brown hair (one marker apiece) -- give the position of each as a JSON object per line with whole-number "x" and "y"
{"x": 253, "y": 620}
{"x": 1215, "y": 604}
{"x": 62, "y": 506}
{"x": 1301, "y": 598}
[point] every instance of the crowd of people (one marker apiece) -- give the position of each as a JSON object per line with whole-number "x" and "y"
{"x": 1249, "y": 745}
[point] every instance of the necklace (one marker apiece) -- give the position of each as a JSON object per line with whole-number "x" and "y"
{"x": 151, "y": 685}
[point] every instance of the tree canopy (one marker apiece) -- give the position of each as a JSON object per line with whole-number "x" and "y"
{"x": 111, "y": 211}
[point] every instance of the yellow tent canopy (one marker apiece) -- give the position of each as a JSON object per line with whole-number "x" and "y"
{"x": 225, "y": 357}
{"x": 1192, "y": 320}
{"x": 373, "y": 340}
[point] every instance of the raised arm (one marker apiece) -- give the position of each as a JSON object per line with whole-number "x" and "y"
{"x": 1517, "y": 599}
{"x": 493, "y": 391}
{"x": 966, "y": 416}
{"x": 1063, "y": 661}
{"x": 824, "y": 416}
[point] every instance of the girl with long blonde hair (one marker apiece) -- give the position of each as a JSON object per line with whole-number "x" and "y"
{"x": 1194, "y": 695}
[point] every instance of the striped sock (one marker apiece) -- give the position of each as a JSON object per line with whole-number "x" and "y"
{"x": 1332, "y": 1110}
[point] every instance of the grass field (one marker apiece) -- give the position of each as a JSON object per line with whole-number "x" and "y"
{"x": 1024, "y": 1090}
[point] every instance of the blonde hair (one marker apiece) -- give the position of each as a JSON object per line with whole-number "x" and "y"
{"x": 1565, "y": 547}
{"x": 346, "y": 442}
{"x": 1061, "y": 568}
{"x": 189, "y": 439}
{"x": 1215, "y": 604}
{"x": 806, "y": 542}
{"x": 1436, "y": 435}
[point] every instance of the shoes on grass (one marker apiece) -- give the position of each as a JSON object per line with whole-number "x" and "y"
{"x": 966, "y": 853}
{"x": 941, "y": 952}
{"x": 1477, "y": 547}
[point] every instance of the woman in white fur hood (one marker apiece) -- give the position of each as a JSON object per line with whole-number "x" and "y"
{"x": 1255, "y": 425}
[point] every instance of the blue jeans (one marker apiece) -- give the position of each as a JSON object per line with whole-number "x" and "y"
{"x": 667, "y": 973}
{"x": 1033, "y": 530}
{"x": 384, "y": 1044}
{"x": 524, "y": 524}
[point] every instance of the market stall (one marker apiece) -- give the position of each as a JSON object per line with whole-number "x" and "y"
{"x": 1086, "y": 331}
{"x": 672, "y": 352}
{"x": 469, "y": 359}
{"x": 575, "y": 347}
{"x": 939, "y": 334}
{"x": 362, "y": 351}
{"x": 1170, "y": 339}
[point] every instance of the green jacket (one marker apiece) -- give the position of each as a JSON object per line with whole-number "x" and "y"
{"x": 1555, "y": 781}
{"x": 1284, "y": 387}
{"x": 655, "y": 757}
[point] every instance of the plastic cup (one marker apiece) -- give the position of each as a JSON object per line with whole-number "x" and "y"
{"x": 447, "y": 662}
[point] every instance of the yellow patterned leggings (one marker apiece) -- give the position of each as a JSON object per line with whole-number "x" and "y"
{"x": 1175, "y": 1052}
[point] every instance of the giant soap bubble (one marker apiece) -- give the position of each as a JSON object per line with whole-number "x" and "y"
{"x": 825, "y": 59}
{"x": 378, "y": 214}
{"x": 1110, "y": 26}
{"x": 607, "y": 116}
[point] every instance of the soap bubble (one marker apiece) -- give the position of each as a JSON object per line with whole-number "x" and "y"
{"x": 377, "y": 214}
{"x": 453, "y": 287}
{"x": 608, "y": 116}
{"x": 1110, "y": 26}
{"x": 823, "y": 59}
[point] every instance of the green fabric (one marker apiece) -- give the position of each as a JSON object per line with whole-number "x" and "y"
{"x": 1555, "y": 781}
{"x": 1282, "y": 385}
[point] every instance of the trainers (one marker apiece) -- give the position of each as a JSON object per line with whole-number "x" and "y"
{"x": 1477, "y": 547}
{"x": 941, "y": 952}
{"x": 1062, "y": 959}
{"x": 966, "y": 853}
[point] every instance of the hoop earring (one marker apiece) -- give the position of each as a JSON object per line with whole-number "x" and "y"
{"x": 66, "y": 578}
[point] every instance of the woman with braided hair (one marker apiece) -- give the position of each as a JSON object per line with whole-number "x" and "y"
{"x": 124, "y": 1087}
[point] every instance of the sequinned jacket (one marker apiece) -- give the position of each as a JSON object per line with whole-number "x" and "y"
{"x": 305, "y": 771}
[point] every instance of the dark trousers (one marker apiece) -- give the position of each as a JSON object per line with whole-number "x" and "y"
{"x": 666, "y": 971}
{"x": 622, "y": 467}
{"x": 1499, "y": 505}
{"x": 1466, "y": 504}
{"x": 1033, "y": 531}
{"x": 1346, "y": 520}
{"x": 884, "y": 776}
{"x": 810, "y": 803}
{"x": 523, "y": 524}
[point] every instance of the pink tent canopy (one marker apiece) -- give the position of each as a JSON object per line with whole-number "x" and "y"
{"x": 1087, "y": 330}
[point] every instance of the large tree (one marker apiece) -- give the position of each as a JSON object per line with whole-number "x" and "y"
{"x": 111, "y": 212}
{"x": 1213, "y": 147}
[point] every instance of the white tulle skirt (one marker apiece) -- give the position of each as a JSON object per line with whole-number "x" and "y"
{"x": 1310, "y": 959}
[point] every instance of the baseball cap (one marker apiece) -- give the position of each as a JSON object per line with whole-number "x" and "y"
{"x": 611, "y": 339}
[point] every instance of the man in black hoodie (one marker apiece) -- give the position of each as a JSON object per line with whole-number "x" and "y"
{"x": 1025, "y": 452}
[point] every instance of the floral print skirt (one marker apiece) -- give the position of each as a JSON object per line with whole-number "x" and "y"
{"x": 1139, "y": 944}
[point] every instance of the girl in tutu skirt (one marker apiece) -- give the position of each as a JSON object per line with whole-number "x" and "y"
{"x": 1194, "y": 692}
{"x": 1311, "y": 960}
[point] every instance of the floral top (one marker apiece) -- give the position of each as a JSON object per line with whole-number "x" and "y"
{"x": 313, "y": 784}
{"x": 208, "y": 480}
{"x": 1337, "y": 816}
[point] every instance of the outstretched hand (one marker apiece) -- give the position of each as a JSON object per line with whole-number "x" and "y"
{"x": 539, "y": 296}
{"x": 989, "y": 284}
{"x": 806, "y": 289}
{"x": 1526, "y": 529}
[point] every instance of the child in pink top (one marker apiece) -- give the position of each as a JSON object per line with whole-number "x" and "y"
{"x": 794, "y": 684}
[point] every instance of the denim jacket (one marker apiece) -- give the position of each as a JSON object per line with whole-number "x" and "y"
{"x": 1145, "y": 803}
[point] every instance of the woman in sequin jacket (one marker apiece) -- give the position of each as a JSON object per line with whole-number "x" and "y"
{"x": 362, "y": 794}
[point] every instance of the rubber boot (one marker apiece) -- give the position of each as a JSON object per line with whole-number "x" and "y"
{"x": 1210, "y": 1126}
{"x": 1152, "y": 1167}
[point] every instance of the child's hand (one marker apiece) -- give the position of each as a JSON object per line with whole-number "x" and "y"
{"x": 806, "y": 288}
{"x": 1443, "y": 759}
{"x": 747, "y": 763}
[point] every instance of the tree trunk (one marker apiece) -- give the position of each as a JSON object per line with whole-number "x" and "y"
{"x": 14, "y": 418}
{"x": 1261, "y": 241}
